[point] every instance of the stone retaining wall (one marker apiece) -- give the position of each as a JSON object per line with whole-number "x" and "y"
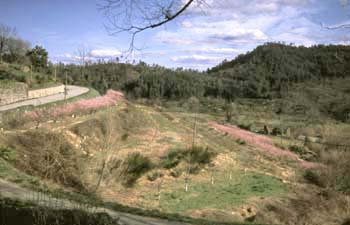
{"x": 17, "y": 92}
{"x": 45, "y": 92}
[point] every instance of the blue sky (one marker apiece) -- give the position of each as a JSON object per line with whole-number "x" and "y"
{"x": 203, "y": 37}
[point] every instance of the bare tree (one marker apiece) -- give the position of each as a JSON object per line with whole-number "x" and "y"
{"x": 106, "y": 146}
{"x": 111, "y": 143}
{"x": 344, "y": 3}
{"x": 193, "y": 101}
{"x": 159, "y": 188}
{"x": 135, "y": 16}
{"x": 15, "y": 50}
{"x": 83, "y": 54}
{"x": 6, "y": 33}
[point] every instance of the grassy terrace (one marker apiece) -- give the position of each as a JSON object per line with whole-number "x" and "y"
{"x": 223, "y": 194}
{"x": 44, "y": 85}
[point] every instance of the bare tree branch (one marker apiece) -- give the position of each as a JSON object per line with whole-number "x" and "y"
{"x": 83, "y": 54}
{"x": 337, "y": 27}
{"x": 136, "y": 16}
{"x": 344, "y": 4}
{"x": 6, "y": 33}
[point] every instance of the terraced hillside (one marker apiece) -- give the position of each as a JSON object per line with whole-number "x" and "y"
{"x": 179, "y": 161}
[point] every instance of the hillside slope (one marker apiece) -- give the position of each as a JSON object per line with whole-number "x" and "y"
{"x": 143, "y": 157}
{"x": 270, "y": 69}
{"x": 10, "y": 73}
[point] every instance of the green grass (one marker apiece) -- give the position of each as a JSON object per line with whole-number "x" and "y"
{"x": 224, "y": 194}
{"x": 44, "y": 85}
{"x": 15, "y": 72}
{"x": 7, "y": 84}
{"x": 92, "y": 93}
{"x": 164, "y": 123}
{"x": 11, "y": 174}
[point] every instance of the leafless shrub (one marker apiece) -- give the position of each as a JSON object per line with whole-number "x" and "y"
{"x": 47, "y": 155}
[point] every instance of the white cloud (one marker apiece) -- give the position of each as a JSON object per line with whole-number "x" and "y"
{"x": 187, "y": 24}
{"x": 176, "y": 38}
{"x": 93, "y": 55}
{"x": 196, "y": 59}
{"x": 105, "y": 53}
{"x": 221, "y": 32}
{"x": 243, "y": 7}
{"x": 213, "y": 50}
{"x": 223, "y": 29}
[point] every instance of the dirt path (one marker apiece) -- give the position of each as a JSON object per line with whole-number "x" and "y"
{"x": 72, "y": 91}
{"x": 264, "y": 143}
{"x": 13, "y": 191}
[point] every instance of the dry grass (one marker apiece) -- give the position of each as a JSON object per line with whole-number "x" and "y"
{"x": 153, "y": 132}
{"x": 47, "y": 155}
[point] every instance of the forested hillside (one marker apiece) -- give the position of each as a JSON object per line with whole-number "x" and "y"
{"x": 319, "y": 76}
{"x": 272, "y": 68}
{"x": 267, "y": 72}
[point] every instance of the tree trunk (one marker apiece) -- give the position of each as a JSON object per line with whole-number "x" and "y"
{"x": 194, "y": 131}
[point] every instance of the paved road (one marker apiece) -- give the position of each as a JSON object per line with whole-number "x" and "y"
{"x": 13, "y": 191}
{"x": 72, "y": 91}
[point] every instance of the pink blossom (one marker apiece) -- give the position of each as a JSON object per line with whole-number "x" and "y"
{"x": 109, "y": 99}
{"x": 262, "y": 142}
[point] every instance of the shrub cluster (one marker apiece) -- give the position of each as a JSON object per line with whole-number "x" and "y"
{"x": 7, "y": 153}
{"x": 47, "y": 155}
{"x": 136, "y": 165}
{"x": 335, "y": 174}
{"x": 196, "y": 157}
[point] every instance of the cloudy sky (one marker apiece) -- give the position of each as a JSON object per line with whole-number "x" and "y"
{"x": 201, "y": 38}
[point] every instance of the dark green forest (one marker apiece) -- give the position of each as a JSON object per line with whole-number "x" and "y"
{"x": 267, "y": 72}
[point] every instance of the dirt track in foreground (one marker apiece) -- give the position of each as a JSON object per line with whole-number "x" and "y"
{"x": 13, "y": 191}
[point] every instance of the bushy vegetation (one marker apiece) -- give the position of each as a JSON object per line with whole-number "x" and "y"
{"x": 7, "y": 153}
{"x": 135, "y": 166}
{"x": 196, "y": 157}
{"x": 297, "y": 149}
{"x": 12, "y": 119}
{"x": 335, "y": 175}
{"x": 314, "y": 177}
{"x": 241, "y": 142}
{"x": 47, "y": 155}
{"x": 172, "y": 159}
{"x": 199, "y": 155}
{"x": 154, "y": 176}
